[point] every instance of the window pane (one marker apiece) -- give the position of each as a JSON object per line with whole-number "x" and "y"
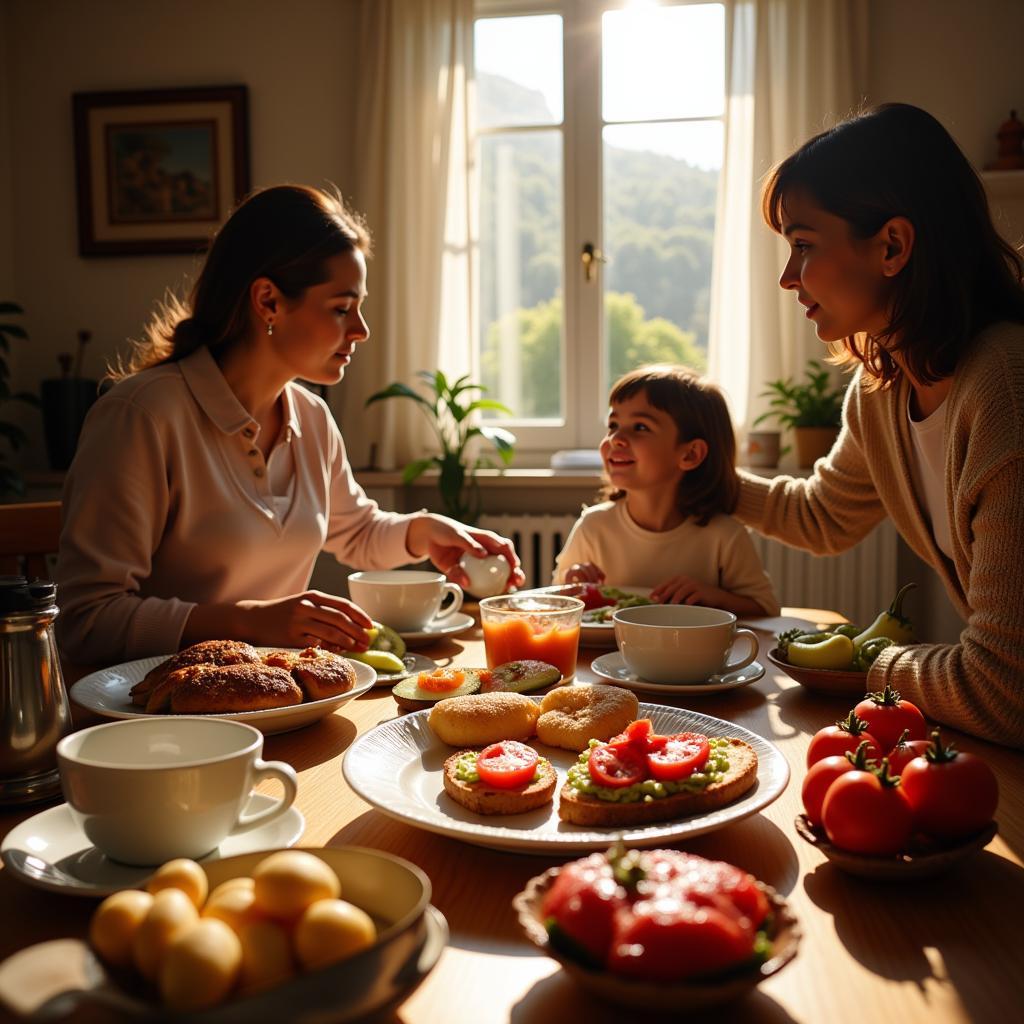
{"x": 518, "y": 65}
{"x": 521, "y": 271}
{"x": 663, "y": 62}
{"x": 660, "y": 189}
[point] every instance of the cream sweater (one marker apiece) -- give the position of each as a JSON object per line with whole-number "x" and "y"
{"x": 720, "y": 553}
{"x": 168, "y": 505}
{"x": 978, "y": 684}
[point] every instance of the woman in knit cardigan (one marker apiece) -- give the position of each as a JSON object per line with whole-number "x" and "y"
{"x": 895, "y": 257}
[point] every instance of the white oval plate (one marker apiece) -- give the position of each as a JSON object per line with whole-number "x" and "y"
{"x": 613, "y": 667}
{"x": 450, "y": 625}
{"x": 593, "y": 634}
{"x": 106, "y": 693}
{"x": 52, "y": 837}
{"x": 397, "y": 767}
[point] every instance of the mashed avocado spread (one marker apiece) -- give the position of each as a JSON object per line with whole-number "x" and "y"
{"x": 465, "y": 768}
{"x": 651, "y": 789}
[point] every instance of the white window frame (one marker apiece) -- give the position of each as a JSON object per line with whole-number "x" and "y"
{"x": 584, "y": 397}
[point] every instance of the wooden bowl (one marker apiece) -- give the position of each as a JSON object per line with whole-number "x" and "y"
{"x": 674, "y": 997}
{"x": 823, "y": 680}
{"x": 918, "y": 862}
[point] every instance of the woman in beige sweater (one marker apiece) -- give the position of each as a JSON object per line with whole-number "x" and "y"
{"x": 207, "y": 479}
{"x": 895, "y": 257}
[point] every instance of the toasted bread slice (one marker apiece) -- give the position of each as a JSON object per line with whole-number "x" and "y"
{"x": 583, "y": 809}
{"x": 484, "y": 799}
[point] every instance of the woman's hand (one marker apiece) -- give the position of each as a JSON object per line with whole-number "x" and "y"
{"x": 584, "y": 572}
{"x": 445, "y": 541}
{"x": 687, "y": 590}
{"x": 308, "y": 619}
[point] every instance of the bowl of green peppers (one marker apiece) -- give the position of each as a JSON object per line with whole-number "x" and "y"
{"x": 837, "y": 659}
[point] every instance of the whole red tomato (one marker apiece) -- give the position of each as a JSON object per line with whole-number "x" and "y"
{"x": 845, "y": 735}
{"x": 904, "y": 752}
{"x": 952, "y": 794}
{"x": 888, "y": 715}
{"x": 823, "y": 773}
{"x": 867, "y": 812}
{"x": 583, "y": 901}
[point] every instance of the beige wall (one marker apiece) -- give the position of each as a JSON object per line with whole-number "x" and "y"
{"x": 295, "y": 56}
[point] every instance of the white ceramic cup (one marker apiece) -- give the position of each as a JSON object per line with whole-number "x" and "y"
{"x": 404, "y": 599}
{"x": 147, "y": 791}
{"x": 680, "y": 643}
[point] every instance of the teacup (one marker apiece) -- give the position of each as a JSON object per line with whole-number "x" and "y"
{"x": 680, "y": 643}
{"x": 404, "y": 599}
{"x": 147, "y": 791}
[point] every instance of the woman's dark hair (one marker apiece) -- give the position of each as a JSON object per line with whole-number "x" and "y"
{"x": 286, "y": 233}
{"x": 898, "y": 161}
{"x": 698, "y": 409}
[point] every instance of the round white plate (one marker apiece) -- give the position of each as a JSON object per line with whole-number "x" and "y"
{"x": 613, "y": 667}
{"x": 451, "y": 625}
{"x": 397, "y": 767}
{"x": 106, "y": 692}
{"x": 414, "y": 664}
{"x": 52, "y": 837}
{"x": 594, "y": 634}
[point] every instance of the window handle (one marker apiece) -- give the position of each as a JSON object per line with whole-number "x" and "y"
{"x": 589, "y": 256}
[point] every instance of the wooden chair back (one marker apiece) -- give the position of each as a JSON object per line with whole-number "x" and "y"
{"x": 28, "y": 533}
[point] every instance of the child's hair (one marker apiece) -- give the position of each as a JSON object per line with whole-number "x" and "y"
{"x": 286, "y": 233}
{"x": 898, "y": 161}
{"x": 698, "y": 409}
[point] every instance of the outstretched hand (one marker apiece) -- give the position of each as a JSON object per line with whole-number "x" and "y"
{"x": 312, "y": 618}
{"x": 444, "y": 541}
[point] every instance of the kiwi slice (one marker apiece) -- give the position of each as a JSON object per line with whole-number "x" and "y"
{"x": 386, "y": 639}
{"x": 411, "y": 696}
{"x": 521, "y": 677}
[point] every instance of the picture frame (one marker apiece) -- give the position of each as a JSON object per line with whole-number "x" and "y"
{"x": 158, "y": 170}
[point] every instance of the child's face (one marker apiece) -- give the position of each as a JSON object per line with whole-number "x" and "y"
{"x": 838, "y": 278}
{"x": 642, "y": 449}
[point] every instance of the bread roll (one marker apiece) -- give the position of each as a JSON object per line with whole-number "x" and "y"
{"x": 479, "y": 719}
{"x": 571, "y": 716}
{"x": 213, "y": 689}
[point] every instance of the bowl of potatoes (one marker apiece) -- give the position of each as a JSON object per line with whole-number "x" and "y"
{"x": 325, "y": 934}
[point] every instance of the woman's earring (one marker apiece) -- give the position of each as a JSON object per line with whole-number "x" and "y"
{"x": 270, "y": 328}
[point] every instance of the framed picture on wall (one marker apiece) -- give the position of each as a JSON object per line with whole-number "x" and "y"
{"x": 158, "y": 170}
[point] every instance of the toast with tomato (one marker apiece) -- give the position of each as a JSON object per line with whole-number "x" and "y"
{"x": 640, "y": 778}
{"x": 504, "y": 778}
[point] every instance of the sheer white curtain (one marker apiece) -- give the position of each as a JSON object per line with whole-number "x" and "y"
{"x": 412, "y": 122}
{"x": 793, "y": 69}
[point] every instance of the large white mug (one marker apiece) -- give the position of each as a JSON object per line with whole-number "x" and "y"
{"x": 407, "y": 600}
{"x": 680, "y": 643}
{"x": 145, "y": 791}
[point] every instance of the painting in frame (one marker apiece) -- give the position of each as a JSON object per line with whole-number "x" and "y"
{"x": 158, "y": 170}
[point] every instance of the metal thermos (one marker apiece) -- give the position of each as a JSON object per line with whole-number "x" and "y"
{"x": 34, "y": 711}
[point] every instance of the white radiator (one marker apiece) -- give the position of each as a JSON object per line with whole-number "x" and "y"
{"x": 858, "y": 583}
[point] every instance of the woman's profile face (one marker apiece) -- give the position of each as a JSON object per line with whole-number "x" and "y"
{"x": 836, "y": 277}
{"x": 316, "y": 335}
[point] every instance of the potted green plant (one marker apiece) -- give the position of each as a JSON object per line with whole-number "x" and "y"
{"x": 811, "y": 407}
{"x": 10, "y": 479}
{"x": 448, "y": 409}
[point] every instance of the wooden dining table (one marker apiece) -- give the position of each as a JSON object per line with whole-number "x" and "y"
{"x": 943, "y": 949}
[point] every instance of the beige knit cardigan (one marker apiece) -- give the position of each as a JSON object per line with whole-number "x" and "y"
{"x": 976, "y": 685}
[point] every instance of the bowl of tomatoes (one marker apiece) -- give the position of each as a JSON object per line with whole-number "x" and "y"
{"x": 885, "y": 797}
{"x": 659, "y": 929}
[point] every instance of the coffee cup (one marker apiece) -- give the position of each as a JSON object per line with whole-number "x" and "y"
{"x": 407, "y": 600}
{"x": 147, "y": 791}
{"x": 680, "y": 643}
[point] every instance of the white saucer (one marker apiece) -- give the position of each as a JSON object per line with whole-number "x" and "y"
{"x": 52, "y": 837}
{"x": 450, "y": 625}
{"x": 612, "y": 666}
{"x": 414, "y": 664}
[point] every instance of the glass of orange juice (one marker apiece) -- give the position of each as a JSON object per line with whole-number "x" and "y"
{"x": 538, "y": 627}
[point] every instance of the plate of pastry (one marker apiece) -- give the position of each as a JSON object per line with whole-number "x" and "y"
{"x": 275, "y": 690}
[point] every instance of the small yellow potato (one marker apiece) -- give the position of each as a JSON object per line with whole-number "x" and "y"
{"x": 172, "y": 913}
{"x": 235, "y": 907}
{"x": 332, "y": 930}
{"x": 114, "y": 924}
{"x": 200, "y": 966}
{"x": 287, "y": 882}
{"x": 240, "y": 882}
{"x": 266, "y": 956}
{"x": 183, "y": 874}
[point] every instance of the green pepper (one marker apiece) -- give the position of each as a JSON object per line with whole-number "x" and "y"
{"x": 834, "y": 651}
{"x": 847, "y": 629}
{"x": 891, "y": 623}
{"x": 869, "y": 650}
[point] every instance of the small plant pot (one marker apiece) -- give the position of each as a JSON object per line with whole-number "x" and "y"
{"x": 65, "y": 401}
{"x": 763, "y": 448}
{"x": 813, "y": 443}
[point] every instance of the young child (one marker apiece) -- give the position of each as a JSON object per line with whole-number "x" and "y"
{"x": 669, "y": 456}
